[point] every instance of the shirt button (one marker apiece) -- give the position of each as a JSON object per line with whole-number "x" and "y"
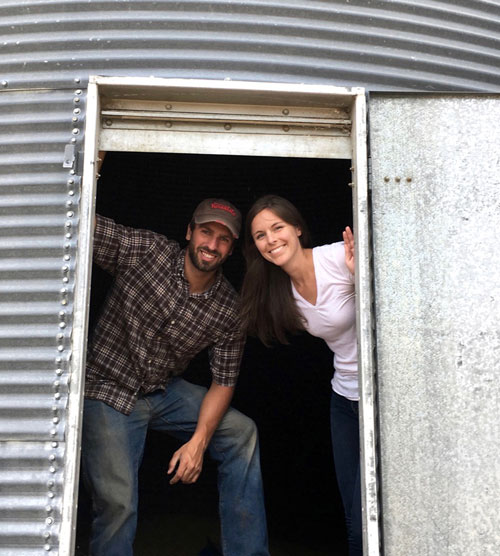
{"x": 172, "y": 322}
{"x": 150, "y": 361}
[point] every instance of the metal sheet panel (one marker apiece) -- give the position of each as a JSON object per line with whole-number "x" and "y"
{"x": 380, "y": 44}
{"x": 38, "y": 213}
{"x": 436, "y": 216}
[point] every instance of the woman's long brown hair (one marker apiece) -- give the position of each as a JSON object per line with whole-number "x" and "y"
{"x": 268, "y": 308}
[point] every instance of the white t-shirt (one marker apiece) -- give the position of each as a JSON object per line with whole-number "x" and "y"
{"x": 333, "y": 318}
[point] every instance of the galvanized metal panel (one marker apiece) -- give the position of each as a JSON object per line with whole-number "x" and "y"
{"x": 436, "y": 216}
{"x": 38, "y": 215}
{"x": 380, "y": 44}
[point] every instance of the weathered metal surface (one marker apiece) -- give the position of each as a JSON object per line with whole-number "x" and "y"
{"x": 436, "y": 216}
{"x": 235, "y": 118}
{"x": 365, "y": 325}
{"x": 378, "y": 44}
{"x": 38, "y": 215}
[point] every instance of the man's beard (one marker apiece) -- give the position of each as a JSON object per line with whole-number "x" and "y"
{"x": 205, "y": 266}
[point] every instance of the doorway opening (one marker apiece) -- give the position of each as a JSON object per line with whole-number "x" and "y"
{"x": 285, "y": 389}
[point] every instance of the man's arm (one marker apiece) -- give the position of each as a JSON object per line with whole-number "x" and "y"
{"x": 190, "y": 455}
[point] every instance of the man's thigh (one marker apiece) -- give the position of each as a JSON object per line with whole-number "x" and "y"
{"x": 177, "y": 409}
{"x": 112, "y": 443}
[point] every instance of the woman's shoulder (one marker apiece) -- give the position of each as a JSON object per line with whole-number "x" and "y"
{"x": 330, "y": 251}
{"x": 331, "y": 257}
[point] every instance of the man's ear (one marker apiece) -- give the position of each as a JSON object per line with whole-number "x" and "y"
{"x": 188, "y": 232}
{"x": 299, "y": 232}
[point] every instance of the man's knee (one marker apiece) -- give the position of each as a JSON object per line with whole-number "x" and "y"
{"x": 241, "y": 431}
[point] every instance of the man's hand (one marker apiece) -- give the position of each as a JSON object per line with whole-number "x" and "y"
{"x": 187, "y": 461}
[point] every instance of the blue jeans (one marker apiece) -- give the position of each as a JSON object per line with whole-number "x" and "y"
{"x": 112, "y": 450}
{"x": 345, "y": 439}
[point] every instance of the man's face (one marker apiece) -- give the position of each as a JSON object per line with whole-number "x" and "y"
{"x": 209, "y": 245}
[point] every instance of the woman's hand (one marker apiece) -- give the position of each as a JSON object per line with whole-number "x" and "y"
{"x": 349, "y": 249}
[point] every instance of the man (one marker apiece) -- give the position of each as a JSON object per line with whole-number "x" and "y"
{"x": 166, "y": 305}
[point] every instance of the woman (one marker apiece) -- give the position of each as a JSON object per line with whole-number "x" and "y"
{"x": 290, "y": 287}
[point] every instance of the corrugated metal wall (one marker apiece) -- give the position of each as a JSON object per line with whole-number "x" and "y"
{"x": 48, "y": 49}
{"x": 377, "y": 44}
{"x": 38, "y": 216}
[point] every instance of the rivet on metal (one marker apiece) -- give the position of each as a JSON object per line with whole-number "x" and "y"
{"x": 47, "y": 548}
{"x": 58, "y": 359}
{"x": 60, "y": 348}
{"x": 53, "y": 432}
{"x": 46, "y": 535}
{"x": 70, "y": 214}
{"x": 51, "y": 495}
{"x": 71, "y": 181}
{"x": 64, "y": 301}
{"x": 57, "y": 396}
{"x": 108, "y": 122}
{"x": 168, "y": 124}
{"x": 64, "y": 291}
{"x": 5, "y": 83}
{"x": 398, "y": 179}
{"x": 59, "y": 372}
{"x": 69, "y": 204}
{"x": 227, "y": 126}
{"x": 65, "y": 280}
{"x": 72, "y": 172}
{"x": 74, "y": 119}
{"x": 77, "y": 111}
{"x": 65, "y": 268}
{"x": 286, "y": 128}
{"x": 75, "y": 131}
{"x": 71, "y": 193}
{"x": 52, "y": 457}
{"x": 351, "y": 184}
{"x": 168, "y": 107}
{"x": 73, "y": 140}
{"x": 49, "y": 521}
{"x": 68, "y": 236}
{"x": 48, "y": 509}
{"x": 286, "y": 111}
{"x": 67, "y": 257}
{"x": 55, "y": 444}
{"x": 62, "y": 325}
{"x": 67, "y": 246}
{"x": 408, "y": 180}
{"x": 76, "y": 99}
{"x": 55, "y": 420}
{"x": 386, "y": 179}
{"x": 78, "y": 92}
{"x": 68, "y": 224}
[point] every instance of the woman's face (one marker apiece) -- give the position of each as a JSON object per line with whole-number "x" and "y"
{"x": 277, "y": 241}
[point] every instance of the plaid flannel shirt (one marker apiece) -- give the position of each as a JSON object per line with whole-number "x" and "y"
{"x": 151, "y": 325}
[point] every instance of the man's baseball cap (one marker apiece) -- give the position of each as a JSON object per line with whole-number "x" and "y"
{"x": 221, "y": 211}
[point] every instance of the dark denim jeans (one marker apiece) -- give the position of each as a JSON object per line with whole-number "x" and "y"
{"x": 345, "y": 439}
{"x": 112, "y": 450}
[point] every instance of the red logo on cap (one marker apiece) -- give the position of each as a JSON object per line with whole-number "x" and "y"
{"x": 223, "y": 207}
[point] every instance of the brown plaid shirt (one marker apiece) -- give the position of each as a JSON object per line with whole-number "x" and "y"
{"x": 151, "y": 326}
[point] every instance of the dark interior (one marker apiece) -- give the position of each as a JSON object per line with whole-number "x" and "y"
{"x": 285, "y": 389}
